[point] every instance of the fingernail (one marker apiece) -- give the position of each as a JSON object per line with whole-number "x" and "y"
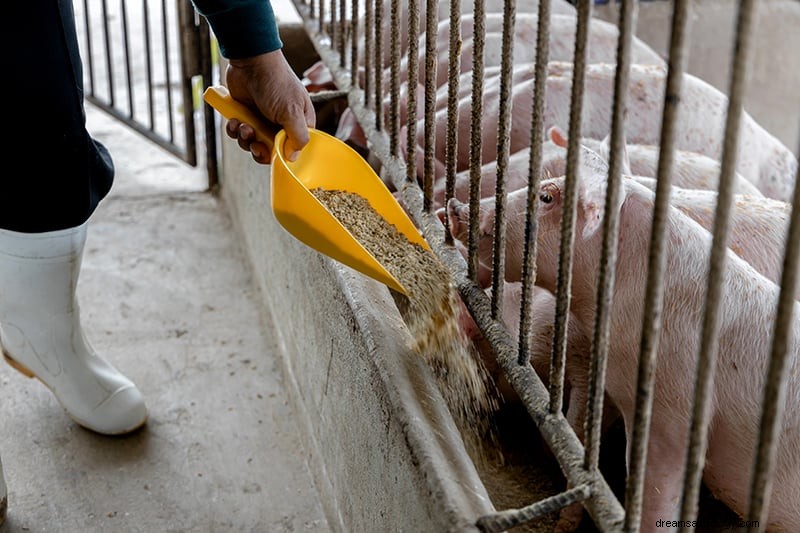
{"x": 256, "y": 153}
{"x": 294, "y": 155}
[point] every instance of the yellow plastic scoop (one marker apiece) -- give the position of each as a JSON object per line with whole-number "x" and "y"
{"x": 326, "y": 163}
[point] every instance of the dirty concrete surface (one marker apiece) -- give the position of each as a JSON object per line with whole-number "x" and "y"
{"x": 167, "y": 297}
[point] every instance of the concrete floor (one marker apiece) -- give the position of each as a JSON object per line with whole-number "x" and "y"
{"x": 167, "y": 297}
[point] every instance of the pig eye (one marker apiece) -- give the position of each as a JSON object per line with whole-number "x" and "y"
{"x": 545, "y": 197}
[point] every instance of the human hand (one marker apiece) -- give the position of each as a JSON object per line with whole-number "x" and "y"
{"x": 267, "y": 84}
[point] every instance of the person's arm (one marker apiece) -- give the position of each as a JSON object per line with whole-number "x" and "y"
{"x": 258, "y": 74}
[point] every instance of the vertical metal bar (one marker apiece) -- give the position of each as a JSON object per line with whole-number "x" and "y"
{"x": 127, "y": 54}
{"x": 413, "y": 75}
{"x": 707, "y": 357}
{"x": 342, "y": 32}
{"x": 503, "y": 149}
{"x": 190, "y": 65}
{"x": 109, "y": 59}
{"x": 774, "y": 402}
{"x": 569, "y": 213}
{"x": 475, "y": 145}
{"x": 608, "y": 252}
{"x": 651, "y": 324}
{"x": 431, "y": 23}
{"x": 89, "y": 56}
{"x": 451, "y": 146}
{"x": 368, "y": 50}
{"x": 334, "y": 24}
{"x": 148, "y": 65}
{"x": 354, "y": 47}
{"x": 394, "y": 80}
{"x": 534, "y": 175}
{"x": 379, "y": 64}
{"x": 321, "y": 6}
{"x": 188, "y": 124}
{"x": 210, "y": 122}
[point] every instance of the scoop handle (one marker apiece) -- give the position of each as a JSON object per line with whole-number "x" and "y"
{"x": 218, "y": 97}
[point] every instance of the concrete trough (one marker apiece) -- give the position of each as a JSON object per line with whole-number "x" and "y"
{"x": 383, "y": 448}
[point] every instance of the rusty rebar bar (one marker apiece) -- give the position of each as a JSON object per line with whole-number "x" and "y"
{"x": 503, "y": 149}
{"x": 651, "y": 324}
{"x": 534, "y": 175}
{"x": 707, "y": 356}
{"x": 608, "y": 251}
{"x": 569, "y": 212}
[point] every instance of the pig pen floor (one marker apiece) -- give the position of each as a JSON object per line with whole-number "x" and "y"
{"x": 167, "y": 297}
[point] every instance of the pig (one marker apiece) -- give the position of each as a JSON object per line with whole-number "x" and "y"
{"x": 763, "y": 160}
{"x": 690, "y": 170}
{"x": 758, "y": 226}
{"x": 757, "y": 231}
{"x": 601, "y": 47}
{"x": 748, "y": 309}
{"x": 557, "y": 7}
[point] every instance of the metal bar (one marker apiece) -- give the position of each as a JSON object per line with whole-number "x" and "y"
{"x": 475, "y": 146}
{"x": 454, "y": 70}
{"x": 379, "y": 64}
{"x": 568, "y": 216}
{"x": 148, "y": 65}
{"x": 534, "y": 175}
{"x": 394, "y": 80}
{"x": 431, "y": 23}
{"x": 774, "y": 402}
{"x": 168, "y": 78}
{"x": 354, "y": 46}
{"x": 504, "y": 520}
{"x": 190, "y": 66}
{"x": 651, "y": 324}
{"x": 148, "y": 133}
{"x": 109, "y": 59}
{"x": 89, "y": 56}
{"x": 342, "y": 32}
{"x": 503, "y": 149}
{"x": 127, "y": 54}
{"x": 411, "y": 106}
{"x": 608, "y": 251}
{"x": 334, "y": 24}
{"x": 368, "y": 50}
{"x": 210, "y": 120}
{"x": 707, "y": 356}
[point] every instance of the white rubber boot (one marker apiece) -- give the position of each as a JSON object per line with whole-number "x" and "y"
{"x": 41, "y": 333}
{"x": 3, "y": 496}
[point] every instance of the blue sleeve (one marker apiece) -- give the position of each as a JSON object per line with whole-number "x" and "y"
{"x": 244, "y": 28}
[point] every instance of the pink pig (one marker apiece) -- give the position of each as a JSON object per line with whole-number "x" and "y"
{"x": 601, "y": 46}
{"x": 749, "y": 301}
{"x": 763, "y": 160}
{"x": 691, "y": 170}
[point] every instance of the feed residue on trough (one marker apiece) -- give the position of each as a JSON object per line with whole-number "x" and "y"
{"x": 431, "y": 312}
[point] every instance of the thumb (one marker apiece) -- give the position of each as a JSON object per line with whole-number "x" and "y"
{"x": 297, "y": 136}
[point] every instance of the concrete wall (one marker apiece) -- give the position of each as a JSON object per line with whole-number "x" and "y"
{"x": 385, "y": 453}
{"x": 774, "y": 73}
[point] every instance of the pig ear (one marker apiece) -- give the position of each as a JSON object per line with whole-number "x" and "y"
{"x": 558, "y": 136}
{"x": 592, "y": 190}
{"x": 605, "y": 151}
